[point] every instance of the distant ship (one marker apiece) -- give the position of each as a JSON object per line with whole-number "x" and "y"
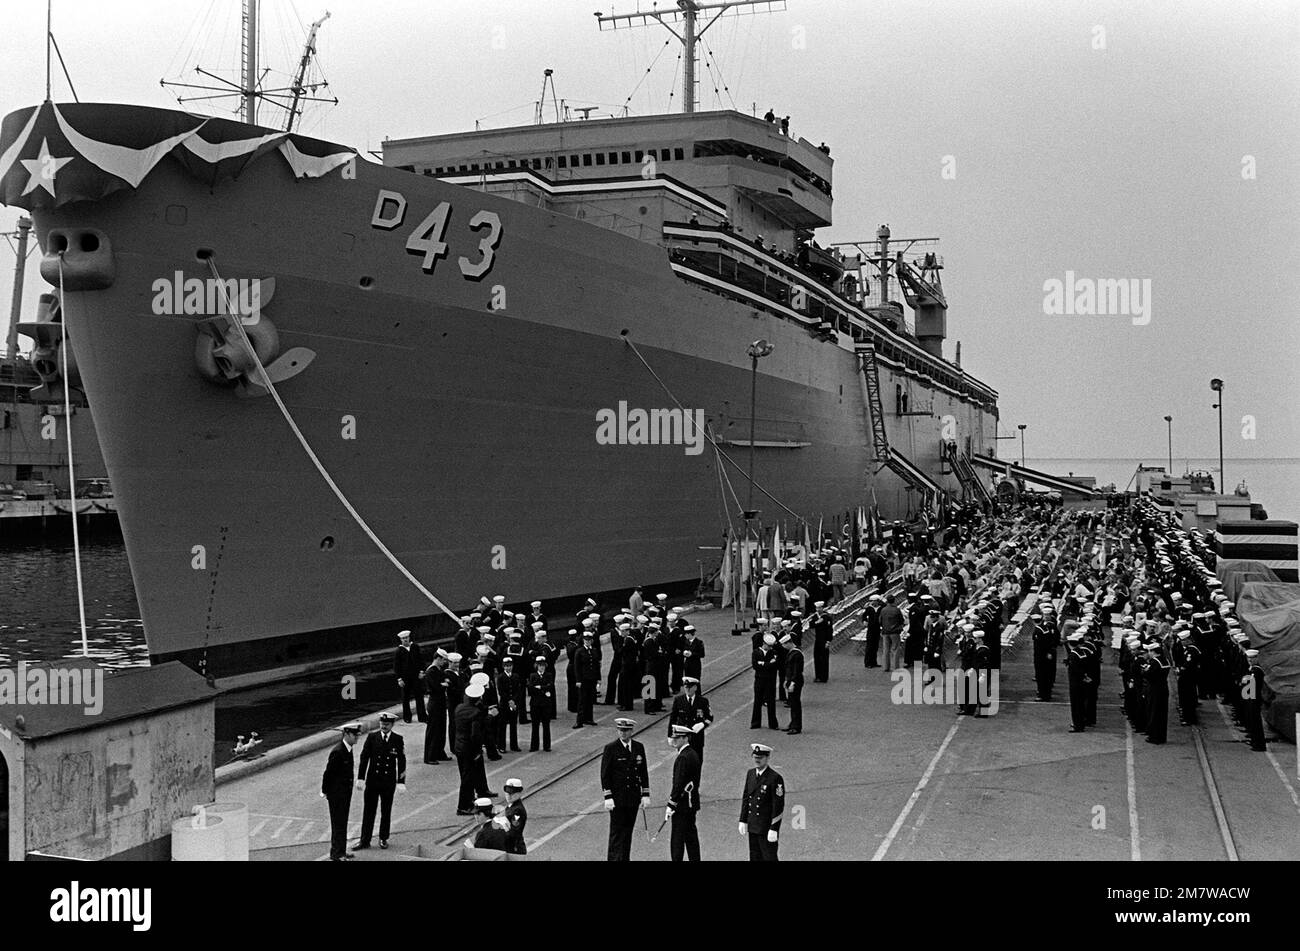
{"x": 449, "y": 332}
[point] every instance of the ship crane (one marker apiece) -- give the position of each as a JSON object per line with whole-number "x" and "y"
{"x": 924, "y": 294}
{"x": 298, "y": 88}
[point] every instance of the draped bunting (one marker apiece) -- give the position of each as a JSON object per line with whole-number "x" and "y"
{"x": 51, "y": 155}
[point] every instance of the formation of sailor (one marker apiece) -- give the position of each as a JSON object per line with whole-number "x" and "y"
{"x": 336, "y": 789}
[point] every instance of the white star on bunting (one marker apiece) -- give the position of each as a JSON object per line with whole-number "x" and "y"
{"x": 42, "y": 169}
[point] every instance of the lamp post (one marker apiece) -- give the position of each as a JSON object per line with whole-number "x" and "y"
{"x": 756, "y": 350}
{"x": 1217, "y": 385}
{"x": 1169, "y": 422}
{"x": 1021, "y": 427}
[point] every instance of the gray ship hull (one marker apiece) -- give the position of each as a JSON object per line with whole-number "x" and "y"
{"x": 475, "y": 457}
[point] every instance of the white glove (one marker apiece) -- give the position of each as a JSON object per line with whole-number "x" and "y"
{"x": 668, "y": 812}
{"x": 401, "y": 683}
{"x": 322, "y": 795}
{"x": 698, "y": 728}
{"x": 771, "y": 835}
{"x": 609, "y": 805}
{"x": 743, "y": 828}
{"x": 401, "y": 787}
{"x": 361, "y": 784}
{"x": 645, "y": 802}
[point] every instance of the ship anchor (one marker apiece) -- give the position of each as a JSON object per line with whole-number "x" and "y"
{"x": 222, "y": 352}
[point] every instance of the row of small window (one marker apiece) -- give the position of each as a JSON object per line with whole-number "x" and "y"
{"x": 581, "y": 160}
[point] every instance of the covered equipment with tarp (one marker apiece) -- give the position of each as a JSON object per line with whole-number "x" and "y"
{"x": 1270, "y": 615}
{"x": 1236, "y": 574}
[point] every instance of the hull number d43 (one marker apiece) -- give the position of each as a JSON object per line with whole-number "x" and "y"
{"x": 426, "y": 240}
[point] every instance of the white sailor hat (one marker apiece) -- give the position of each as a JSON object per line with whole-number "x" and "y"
{"x": 786, "y": 639}
{"x": 621, "y": 617}
{"x": 1076, "y": 636}
{"x": 1184, "y": 635}
{"x": 968, "y": 627}
{"x": 474, "y": 691}
{"x": 624, "y": 723}
{"x": 535, "y": 604}
{"x": 593, "y": 616}
{"x": 769, "y": 639}
{"x": 1214, "y": 583}
{"x": 875, "y": 597}
{"x": 482, "y": 650}
{"x": 1154, "y": 647}
{"x": 1176, "y": 596}
{"x": 480, "y": 678}
{"x": 588, "y": 623}
{"x": 661, "y": 597}
{"x": 625, "y": 626}
{"x": 690, "y": 680}
{"x": 786, "y": 622}
{"x": 539, "y": 659}
{"x": 467, "y": 619}
{"x": 672, "y": 615}
{"x": 508, "y": 659}
{"x": 404, "y": 634}
{"x": 1252, "y": 652}
{"x": 483, "y": 629}
{"x": 978, "y": 635}
{"x": 642, "y": 619}
{"x": 588, "y": 633}
{"x": 442, "y": 652}
{"x": 498, "y": 599}
{"x": 485, "y": 600}
{"x": 538, "y": 625}
{"x": 819, "y": 604}
{"x": 1241, "y": 638}
{"x": 760, "y": 749}
{"x": 796, "y": 614}
{"x": 591, "y": 601}
{"x": 454, "y": 657}
{"x": 520, "y": 615}
{"x": 483, "y": 802}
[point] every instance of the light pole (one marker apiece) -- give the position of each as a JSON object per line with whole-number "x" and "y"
{"x": 1021, "y": 427}
{"x": 1169, "y": 421}
{"x": 1217, "y": 385}
{"x": 756, "y": 350}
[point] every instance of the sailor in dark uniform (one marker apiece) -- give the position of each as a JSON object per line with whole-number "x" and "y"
{"x": 871, "y": 614}
{"x": 1076, "y": 662}
{"x": 516, "y": 815}
{"x": 467, "y": 637}
{"x": 625, "y": 782}
{"x": 615, "y": 659}
{"x": 435, "y": 732}
{"x": 793, "y": 677}
{"x": 509, "y": 687}
{"x": 693, "y": 657}
{"x": 571, "y": 671}
{"x": 336, "y": 788}
{"x": 691, "y": 710}
{"x": 587, "y": 671}
{"x": 1252, "y": 696}
{"x": 1157, "y": 680}
{"x": 468, "y": 747}
{"x": 650, "y": 651}
{"x": 1187, "y": 658}
{"x": 455, "y": 687}
{"x": 1045, "y": 644}
{"x": 408, "y": 667}
{"x": 762, "y": 805}
{"x": 383, "y": 770}
{"x": 629, "y": 675}
{"x": 823, "y": 633}
{"x": 494, "y": 833}
{"x": 981, "y": 665}
{"x": 684, "y": 799}
{"x": 766, "y": 673}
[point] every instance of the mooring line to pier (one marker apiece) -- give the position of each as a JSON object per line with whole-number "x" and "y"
{"x": 237, "y": 323}
{"x": 64, "y": 347}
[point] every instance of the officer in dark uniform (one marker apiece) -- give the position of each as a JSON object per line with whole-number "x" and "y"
{"x": 408, "y": 667}
{"x": 684, "y": 800}
{"x": 823, "y": 629}
{"x": 383, "y": 771}
{"x": 455, "y": 686}
{"x": 766, "y": 672}
{"x": 615, "y": 659}
{"x": 629, "y": 675}
{"x": 981, "y": 664}
{"x": 793, "y": 676}
{"x": 572, "y": 693}
{"x": 336, "y": 788}
{"x": 516, "y": 815}
{"x": 691, "y": 710}
{"x": 625, "y": 782}
{"x": 650, "y": 651}
{"x": 762, "y": 805}
{"x": 871, "y": 614}
{"x": 509, "y": 703}
{"x": 541, "y": 702}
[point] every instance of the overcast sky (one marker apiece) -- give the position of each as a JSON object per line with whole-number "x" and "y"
{"x": 1115, "y": 140}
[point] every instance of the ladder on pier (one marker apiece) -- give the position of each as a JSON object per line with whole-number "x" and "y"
{"x": 970, "y": 481}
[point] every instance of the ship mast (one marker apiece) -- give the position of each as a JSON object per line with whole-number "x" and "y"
{"x": 687, "y": 15}
{"x": 20, "y": 268}
{"x": 248, "y": 112}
